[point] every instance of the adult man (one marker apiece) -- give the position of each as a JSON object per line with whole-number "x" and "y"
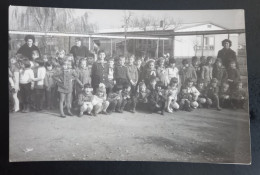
{"x": 78, "y": 50}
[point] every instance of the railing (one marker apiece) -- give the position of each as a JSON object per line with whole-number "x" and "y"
{"x": 205, "y": 47}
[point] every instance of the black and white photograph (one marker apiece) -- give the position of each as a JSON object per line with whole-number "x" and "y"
{"x": 128, "y": 85}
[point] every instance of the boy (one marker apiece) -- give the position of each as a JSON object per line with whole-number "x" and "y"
{"x": 120, "y": 72}
{"x": 206, "y": 72}
{"x": 126, "y": 98}
{"x": 156, "y": 101}
{"x": 49, "y": 85}
{"x": 238, "y": 96}
{"x": 233, "y": 75}
{"x": 202, "y": 98}
{"x": 172, "y": 93}
{"x": 187, "y": 72}
{"x": 219, "y": 72}
{"x": 192, "y": 90}
{"x": 132, "y": 72}
{"x": 110, "y": 84}
{"x": 100, "y": 102}
{"x": 85, "y": 100}
{"x": 115, "y": 99}
{"x": 213, "y": 92}
{"x": 224, "y": 95}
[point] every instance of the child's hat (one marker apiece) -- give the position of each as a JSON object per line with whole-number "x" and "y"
{"x": 214, "y": 80}
{"x": 87, "y": 85}
{"x": 185, "y": 61}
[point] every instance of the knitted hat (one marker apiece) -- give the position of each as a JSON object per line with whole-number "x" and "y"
{"x": 214, "y": 80}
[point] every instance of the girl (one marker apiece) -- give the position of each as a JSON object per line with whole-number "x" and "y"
{"x": 206, "y": 72}
{"x": 85, "y": 100}
{"x": 149, "y": 72}
{"x": 26, "y": 84}
{"x": 64, "y": 79}
{"x": 172, "y": 71}
{"x": 100, "y": 102}
{"x": 49, "y": 85}
{"x": 171, "y": 93}
{"x": 161, "y": 72}
{"x": 14, "y": 77}
{"x": 187, "y": 72}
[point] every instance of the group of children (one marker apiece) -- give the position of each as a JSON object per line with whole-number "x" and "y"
{"x": 119, "y": 84}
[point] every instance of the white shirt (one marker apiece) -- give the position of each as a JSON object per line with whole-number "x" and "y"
{"x": 193, "y": 90}
{"x": 41, "y": 72}
{"x": 26, "y": 76}
{"x": 172, "y": 72}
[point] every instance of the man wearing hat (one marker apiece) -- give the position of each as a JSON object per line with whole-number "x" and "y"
{"x": 79, "y": 50}
{"x": 227, "y": 54}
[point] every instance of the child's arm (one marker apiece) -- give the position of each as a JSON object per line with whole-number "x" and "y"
{"x": 11, "y": 82}
{"x": 41, "y": 75}
{"x": 80, "y": 100}
{"x": 31, "y": 74}
{"x": 16, "y": 80}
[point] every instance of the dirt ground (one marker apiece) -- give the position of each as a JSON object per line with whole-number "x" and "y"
{"x": 204, "y": 135}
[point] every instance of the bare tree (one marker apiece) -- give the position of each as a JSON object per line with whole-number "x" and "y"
{"x": 127, "y": 21}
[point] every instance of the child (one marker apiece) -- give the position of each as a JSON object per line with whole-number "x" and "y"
{"x": 238, "y": 96}
{"x": 233, "y": 75}
{"x": 120, "y": 72}
{"x": 161, "y": 72}
{"x": 115, "y": 99}
{"x": 206, "y": 72}
{"x": 83, "y": 74}
{"x": 110, "y": 83}
{"x": 26, "y": 84}
{"x": 194, "y": 93}
{"x": 139, "y": 67}
{"x": 202, "y": 98}
{"x": 64, "y": 79}
{"x": 141, "y": 96}
{"x": 196, "y": 66}
{"x": 14, "y": 77}
{"x": 219, "y": 72}
{"x": 49, "y": 85}
{"x": 224, "y": 95}
{"x": 172, "y": 71}
{"x": 99, "y": 71}
{"x": 39, "y": 85}
{"x": 187, "y": 71}
{"x": 172, "y": 93}
{"x": 156, "y": 101}
{"x": 132, "y": 73}
{"x": 100, "y": 102}
{"x": 126, "y": 98}
{"x": 185, "y": 99}
{"x": 149, "y": 72}
{"x": 213, "y": 92}
{"x": 85, "y": 99}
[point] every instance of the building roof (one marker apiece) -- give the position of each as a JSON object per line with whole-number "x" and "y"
{"x": 182, "y": 27}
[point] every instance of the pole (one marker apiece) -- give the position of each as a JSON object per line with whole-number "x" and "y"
{"x": 89, "y": 43}
{"x": 173, "y": 44}
{"x": 111, "y": 47}
{"x": 163, "y": 47}
{"x": 69, "y": 43}
{"x": 202, "y": 45}
{"x": 157, "y": 48}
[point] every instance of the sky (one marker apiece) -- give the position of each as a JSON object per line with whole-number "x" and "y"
{"x": 107, "y": 19}
{"x": 231, "y": 19}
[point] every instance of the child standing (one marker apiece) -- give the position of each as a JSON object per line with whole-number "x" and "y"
{"x": 111, "y": 82}
{"x": 206, "y": 72}
{"x": 172, "y": 71}
{"x": 156, "y": 101}
{"x": 120, "y": 72}
{"x": 219, "y": 72}
{"x": 85, "y": 99}
{"x": 161, "y": 72}
{"x": 26, "y": 84}
{"x": 132, "y": 73}
{"x": 39, "y": 85}
{"x": 49, "y": 85}
{"x": 14, "y": 77}
{"x": 64, "y": 79}
{"x": 149, "y": 72}
{"x": 172, "y": 92}
{"x": 196, "y": 66}
{"x": 126, "y": 98}
{"x": 213, "y": 93}
{"x": 233, "y": 75}
{"x": 187, "y": 71}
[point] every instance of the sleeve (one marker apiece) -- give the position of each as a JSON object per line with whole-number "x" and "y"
{"x": 11, "y": 82}
{"x": 31, "y": 74}
{"x": 194, "y": 75}
{"x": 202, "y": 73}
{"x": 195, "y": 91}
{"x": 128, "y": 74}
{"x": 41, "y": 74}
{"x": 16, "y": 80}
{"x": 93, "y": 70}
{"x": 136, "y": 74}
{"x": 80, "y": 100}
{"x": 225, "y": 76}
{"x": 46, "y": 82}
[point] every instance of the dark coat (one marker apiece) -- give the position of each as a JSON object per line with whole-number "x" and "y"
{"x": 99, "y": 74}
{"x": 81, "y": 51}
{"x": 227, "y": 55}
{"x": 219, "y": 73}
{"x": 26, "y": 51}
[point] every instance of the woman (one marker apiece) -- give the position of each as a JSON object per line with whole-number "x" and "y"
{"x": 27, "y": 49}
{"x": 227, "y": 54}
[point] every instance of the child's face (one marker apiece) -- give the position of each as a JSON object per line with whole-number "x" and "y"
{"x": 49, "y": 67}
{"x": 195, "y": 63}
{"x": 128, "y": 89}
{"x": 142, "y": 88}
{"x": 35, "y": 55}
{"x": 225, "y": 87}
{"x": 111, "y": 63}
{"x": 90, "y": 60}
{"x": 100, "y": 94}
{"x": 200, "y": 85}
{"x": 88, "y": 90}
{"x": 158, "y": 88}
{"x": 121, "y": 61}
{"x": 172, "y": 65}
{"x": 161, "y": 63}
{"x": 219, "y": 64}
{"x": 78, "y": 43}
{"x": 139, "y": 62}
{"x": 186, "y": 65}
{"x": 190, "y": 84}
{"x": 131, "y": 60}
{"x": 102, "y": 56}
{"x": 153, "y": 83}
{"x": 173, "y": 84}
{"x": 233, "y": 65}
{"x": 61, "y": 54}
{"x": 83, "y": 64}
{"x": 210, "y": 62}
{"x": 65, "y": 65}
{"x": 151, "y": 65}
{"x": 214, "y": 84}
{"x": 12, "y": 61}
{"x": 29, "y": 42}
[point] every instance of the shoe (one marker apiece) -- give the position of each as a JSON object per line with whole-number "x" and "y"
{"x": 63, "y": 116}
{"x": 70, "y": 114}
{"x": 80, "y": 114}
{"x": 94, "y": 114}
{"x": 218, "y": 108}
{"x": 162, "y": 112}
{"x": 104, "y": 112}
